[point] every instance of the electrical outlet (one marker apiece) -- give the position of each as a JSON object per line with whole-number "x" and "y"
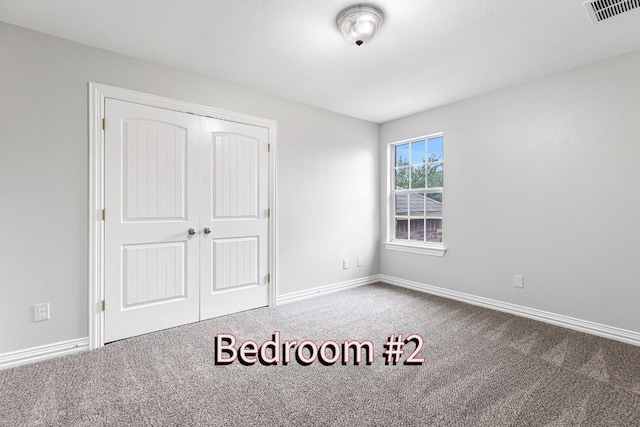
{"x": 518, "y": 281}
{"x": 359, "y": 261}
{"x": 345, "y": 263}
{"x": 41, "y": 312}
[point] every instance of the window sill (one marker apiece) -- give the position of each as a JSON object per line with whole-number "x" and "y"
{"x": 415, "y": 248}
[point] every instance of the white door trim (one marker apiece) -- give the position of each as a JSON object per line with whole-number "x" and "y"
{"x": 97, "y": 95}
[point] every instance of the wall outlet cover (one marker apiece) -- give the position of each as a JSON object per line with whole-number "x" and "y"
{"x": 41, "y": 312}
{"x": 518, "y": 281}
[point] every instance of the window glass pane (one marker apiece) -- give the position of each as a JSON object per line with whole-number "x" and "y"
{"x": 433, "y": 232}
{"x": 417, "y": 205}
{"x": 402, "y": 178}
{"x": 435, "y": 175}
{"x": 417, "y": 230}
{"x": 402, "y": 229}
{"x": 417, "y": 176}
{"x": 402, "y": 205}
{"x": 418, "y": 152}
{"x": 402, "y": 155}
{"x": 435, "y": 149}
{"x": 433, "y": 229}
{"x": 434, "y": 205}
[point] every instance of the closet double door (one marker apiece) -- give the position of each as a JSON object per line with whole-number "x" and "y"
{"x": 186, "y": 218}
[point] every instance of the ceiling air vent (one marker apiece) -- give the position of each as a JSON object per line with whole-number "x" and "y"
{"x": 599, "y": 10}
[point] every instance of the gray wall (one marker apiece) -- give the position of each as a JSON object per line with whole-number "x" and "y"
{"x": 541, "y": 179}
{"x": 327, "y": 170}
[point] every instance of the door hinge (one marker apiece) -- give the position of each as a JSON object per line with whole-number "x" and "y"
{"x": 104, "y": 305}
{"x": 269, "y": 213}
{"x": 104, "y": 214}
{"x": 269, "y": 278}
{"x": 104, "y": 123}
{"x": 268, "y": 148}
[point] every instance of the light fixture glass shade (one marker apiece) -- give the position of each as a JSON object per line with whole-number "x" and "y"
{"x": 359, "y": 23}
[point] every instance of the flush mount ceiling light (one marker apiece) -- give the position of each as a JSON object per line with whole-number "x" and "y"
{"x": 358, "y": 23}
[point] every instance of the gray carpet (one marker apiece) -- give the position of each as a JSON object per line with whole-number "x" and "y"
{"x": 482, "y": 368}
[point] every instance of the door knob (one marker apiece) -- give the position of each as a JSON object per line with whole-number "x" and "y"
{"x": 192, "y": 231}
{"x": 207, "y": 230}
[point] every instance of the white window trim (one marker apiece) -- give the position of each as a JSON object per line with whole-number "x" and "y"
{"x": 415, "y": 248}
{"x": 426, "y": 248}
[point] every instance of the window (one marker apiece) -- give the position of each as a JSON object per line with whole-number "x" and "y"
{"x": 417, "y": 180}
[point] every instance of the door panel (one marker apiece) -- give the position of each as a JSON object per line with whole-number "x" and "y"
{"x": 236, "y": 263}
{"x": 153, "y": 273}
{"x": 154, "y": 160}
{"x": 234, "y": 203}
{"x": 151, "y": 179}
{"x": 235, "y": 176}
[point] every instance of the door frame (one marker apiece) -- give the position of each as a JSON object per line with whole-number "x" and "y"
{"x": 98, "y": 93}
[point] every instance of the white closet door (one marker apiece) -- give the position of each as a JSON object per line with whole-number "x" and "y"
{"x": 151, "y": 201}
{"x": 234, "y": 171}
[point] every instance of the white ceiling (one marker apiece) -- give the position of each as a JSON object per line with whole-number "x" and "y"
{"x": 426, "y": 54}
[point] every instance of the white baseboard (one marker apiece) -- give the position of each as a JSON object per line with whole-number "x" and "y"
{"x": 49, "y": 351}
{"x": 308, "y": 293}
{"x": 630, "y": 337}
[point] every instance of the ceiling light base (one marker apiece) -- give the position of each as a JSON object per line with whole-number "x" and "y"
{"x": 359, "y": 23}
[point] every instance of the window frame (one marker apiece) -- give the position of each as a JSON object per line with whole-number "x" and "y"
{"x": 411, "y": 246}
